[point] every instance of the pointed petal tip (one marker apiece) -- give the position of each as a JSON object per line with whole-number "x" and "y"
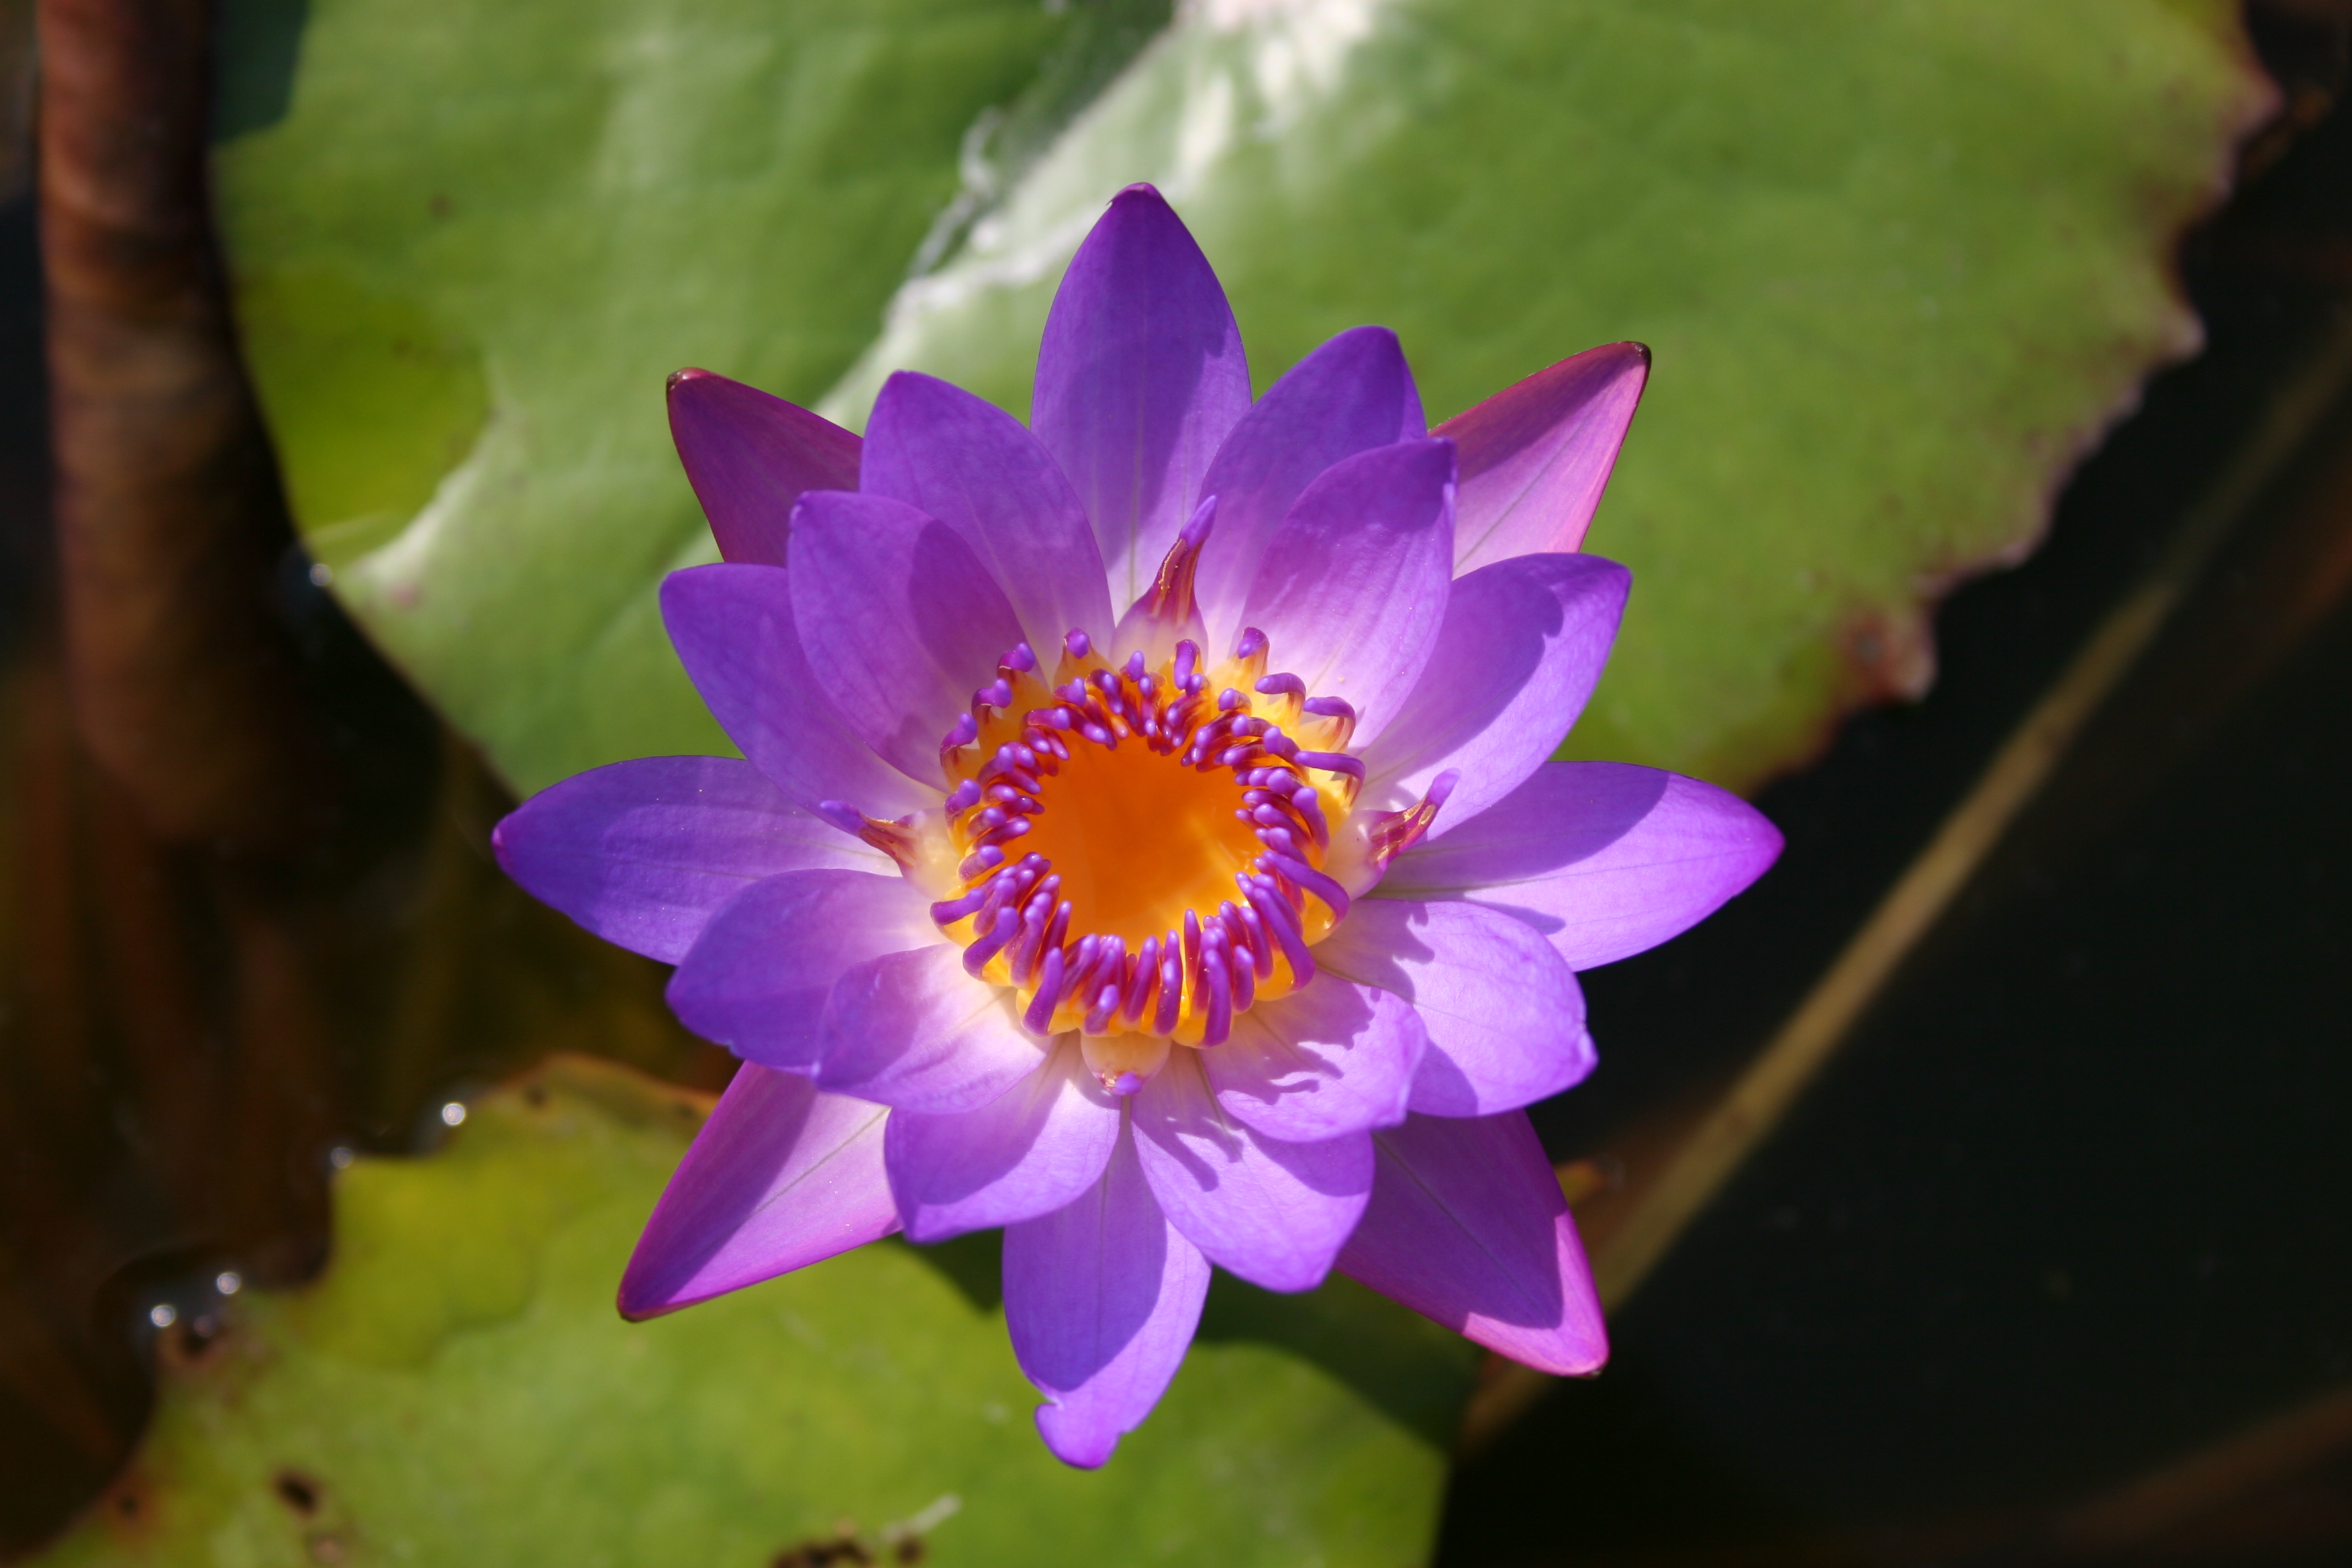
{"x": 680, "y": 377}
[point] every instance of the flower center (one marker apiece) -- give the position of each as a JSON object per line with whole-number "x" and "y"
{"x": 1143, "y": 848}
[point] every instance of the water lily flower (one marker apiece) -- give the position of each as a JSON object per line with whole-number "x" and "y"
{"x": 1144, "y": 840}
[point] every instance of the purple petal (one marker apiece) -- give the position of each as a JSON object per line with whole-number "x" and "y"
{"x": 1030, "y": 1151}
{"x": 1467, "y": 1225}
{"x": 1272, "y": 1212}
{"x": 1536, "y": 456}
{"x": 750, "y": 456}
{"x": 1140, "y": 378}
{"x": 912, "y": 1030}
{"x": 976, "y": 468}
{"x": 1604, "y": 858}
{"x": 757, "y": 979}
{"x": 642, "y": 853}
{"x": 1335, "y": 1058}
{"x": 1505, "y": 1017}
{"x": 780, "y": 1178}
{"x": 734, "y": 631}
{"x": 1100, "y": 1299}
{"x": 901, "y": 621}
{"x": 1522, "y": 646}
{"x": 1349, "y": 395}
{"x": 1352, "y": 589}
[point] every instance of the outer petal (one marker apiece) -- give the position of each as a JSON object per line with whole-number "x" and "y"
{"x": 1274, "y": 1213}
{"x": 1604, "y": 858}
{"x": 1505, "y": 1017}
{"x": 1140, "y": 377}
{"x": 1101, "y": 1299}
{"x": 1467, "y": 1225}
{"x": 1352, "y": 393}
{"x": 642, "y": 853}
{"x": 1352, "y": 586}
{"x": 757, "y": 979}
{"x": 1522, "y": 646}
{"x": 912, "y": 1030}
{"x": 1536, "y": 456}
{"x": 1335, "y": 1058}
{"x": 900, "y": 620}
{"x": 750, "y": 456}
{"x": 734, "y": 631}
{"x": 1030, "y": 1151}
{"x": 780, "y": 1178}
{"x": 976, "y": 468}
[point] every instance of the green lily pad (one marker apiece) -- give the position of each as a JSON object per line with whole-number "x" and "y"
{"x": 469, "y": 242}
{"x": 1899, "y": 265}
{"x": 459, "y": 1389}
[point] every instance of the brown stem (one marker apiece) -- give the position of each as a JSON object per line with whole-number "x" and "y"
{"x": 170, "y": 517}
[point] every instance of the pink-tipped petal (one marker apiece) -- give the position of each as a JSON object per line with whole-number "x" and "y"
{"x": 642, "y": 853}
{"x": 1100, "y": 1299}
{"x": 976, "y": 468}
{"x": 1140, "y": 378}
{"x": 1350, "y": 394}
{"x": 901, "y": 621}
{"x": 1522, "y": 646}
{"x": 1030, "y": 1151}
{"x": 757, "y": 979}
{"x": 1332, "y": 1058}
{"x": 1605, "y": 859}
{"x": 734, "y": 631}
{"x": 780, "y": 1178}
{"x": 1536, "y": 456}
{"x": 1467, "y": 1225}
{"x": 750, "y": 456}
{"x": 1504, "y": 1017}
{"x": 914, "y": 1031}
{"x": 1352, "y": 588}
{"x": 1272, "y": 1212}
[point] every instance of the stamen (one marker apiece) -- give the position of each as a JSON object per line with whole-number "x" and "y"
{"x": 1394, "y": 832}
{"x": 1135, "y": 940}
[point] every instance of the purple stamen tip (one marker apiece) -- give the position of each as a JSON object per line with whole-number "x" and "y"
{"x": 1331, "y": 763}
{"x": 964, "y": 797}
{"x": 1330, "y": 708}
{"x": 1127, "y": 1083}
{"x": 1441, "y": 787}
{"x": 842, "y": 814}
{"x": 1284, "y": 685}
{"x": 1039, "y": 1017}
{"x": 1021, "y": 656}
{"x": 1251, "y": 644}
{"x": 1079, "y": 645}
{"x": 1135, "y": 666}
{"x": 964, "y": 731}
{"x": 1195, "y": 532}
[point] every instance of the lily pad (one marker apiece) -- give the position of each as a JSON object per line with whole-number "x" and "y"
{"x": 469, "y": 242}
{"x": 457, "y": 1388}
{"x": 1899, "y": 265}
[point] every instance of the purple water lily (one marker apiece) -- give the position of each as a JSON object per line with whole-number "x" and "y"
{"x": 1146, "y": 841}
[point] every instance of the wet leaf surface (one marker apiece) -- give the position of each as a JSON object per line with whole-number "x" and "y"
{"x": 457, "y": 1388}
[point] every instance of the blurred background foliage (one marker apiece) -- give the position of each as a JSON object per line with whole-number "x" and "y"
{"x": 1901, "y": 264}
